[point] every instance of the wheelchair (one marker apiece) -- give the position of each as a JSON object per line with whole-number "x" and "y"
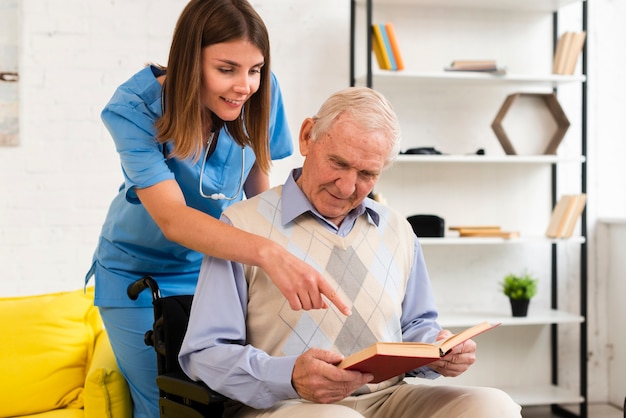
{"x": 179, "y": 396}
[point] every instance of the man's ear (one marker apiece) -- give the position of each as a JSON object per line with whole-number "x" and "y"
{"x": 305, "y": 136}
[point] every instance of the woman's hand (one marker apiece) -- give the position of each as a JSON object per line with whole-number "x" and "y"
{"x": 300, "y": 283}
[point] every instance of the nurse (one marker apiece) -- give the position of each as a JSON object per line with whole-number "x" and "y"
{"x": 193, "y": 138}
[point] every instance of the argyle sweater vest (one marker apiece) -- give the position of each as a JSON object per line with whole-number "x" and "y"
{"x": 368, "y": 268}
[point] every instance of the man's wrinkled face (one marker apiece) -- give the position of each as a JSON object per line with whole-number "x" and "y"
{"x": 341, "y": 167}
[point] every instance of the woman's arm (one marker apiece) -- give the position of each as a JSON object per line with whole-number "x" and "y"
{"x": 301, "y": 284}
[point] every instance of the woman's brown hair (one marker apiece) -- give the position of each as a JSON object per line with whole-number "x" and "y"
{"x": 203, "y": 23}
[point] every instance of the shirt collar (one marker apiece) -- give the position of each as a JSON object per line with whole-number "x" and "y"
{"x": 295, "y": 203}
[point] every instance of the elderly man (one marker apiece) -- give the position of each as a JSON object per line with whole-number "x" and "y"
{"x": 244, "y": 340}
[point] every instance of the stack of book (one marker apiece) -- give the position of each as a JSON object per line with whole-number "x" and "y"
{"x": 567, "y": 51}
{"x": 483, "y": 66}
{"x": 484, "y": 231}
{"x": 565, "y": 215}
{"x": 386, "y": 48}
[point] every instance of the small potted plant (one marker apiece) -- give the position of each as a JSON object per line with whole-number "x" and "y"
{"x": 520, "y": 289}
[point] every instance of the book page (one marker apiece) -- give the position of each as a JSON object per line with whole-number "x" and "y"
{"x": 456, "y": 339}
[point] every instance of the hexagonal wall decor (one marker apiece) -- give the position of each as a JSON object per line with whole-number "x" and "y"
{"x": 553, "y": 106}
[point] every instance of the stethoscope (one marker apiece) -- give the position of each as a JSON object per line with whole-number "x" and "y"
{"x": 221, "y": 196}
{"x": 213, "y": 196}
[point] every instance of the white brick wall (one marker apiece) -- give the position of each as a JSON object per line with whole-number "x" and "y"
{"x": 57, "y": 184}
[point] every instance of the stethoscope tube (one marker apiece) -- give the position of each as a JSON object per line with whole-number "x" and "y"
{"x": 221, "y": 196}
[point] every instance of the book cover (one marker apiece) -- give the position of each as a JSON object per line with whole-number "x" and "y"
{"x": 575, "y": 48}
{"x": 558, "y": 54}
{"x": 562, "y": 50}
{"x": 472, "y": 65}
{"x": 576, "y": 212}
{"x": 395, "y": 46}
{"x": 389, "y": 359}
{"x": 485, "y": 231}
{"x": 484, "y": 66}
{"x": 475, "y": 228}
{"x": 378, "y": 46}
{"x": 565, "y": 213}
{"x": 558, "y": 215}
{"x": 490, "y": 234}
{"x": 392, "y": 59}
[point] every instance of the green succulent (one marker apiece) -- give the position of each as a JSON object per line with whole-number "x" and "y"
{"x": 519, "y": 286}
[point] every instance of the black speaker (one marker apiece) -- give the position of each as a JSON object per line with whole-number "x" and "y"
{"x": 427, "y": 225}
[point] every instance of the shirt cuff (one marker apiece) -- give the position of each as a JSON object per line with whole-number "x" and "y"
{"x": 279, "y": 377}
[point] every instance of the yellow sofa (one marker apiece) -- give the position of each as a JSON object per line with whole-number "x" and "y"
{"x": 57, "y": 361}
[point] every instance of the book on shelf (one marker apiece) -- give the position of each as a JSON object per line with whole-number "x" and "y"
{"x": 485, "y": 231}
{"x": 572, "y": 58}
{"x": 559, "y": 54}
{"x": 392, "y": 58}
{"x": 386, "y": 47}
{"x": 568, "y": 49}
{"x": 565, "y": 215}
{"x": 389, "y": 359}
{"x": 395, "y": 46}
{"x": 379, "y": 48}
{"x": 488, "y": 66}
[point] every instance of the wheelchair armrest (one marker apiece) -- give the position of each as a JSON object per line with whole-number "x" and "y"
{"x": 172, "y": 409}
{"x": 180, "y": 385}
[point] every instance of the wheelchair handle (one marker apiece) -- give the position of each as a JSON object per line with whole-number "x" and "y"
{"x": 138, "y": 286}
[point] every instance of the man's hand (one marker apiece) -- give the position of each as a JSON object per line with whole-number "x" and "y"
{"x": 317, "y": 378}
{"x": 458, "y": 360}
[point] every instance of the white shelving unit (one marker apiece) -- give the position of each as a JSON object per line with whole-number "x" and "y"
{"x": 453, "y": 112}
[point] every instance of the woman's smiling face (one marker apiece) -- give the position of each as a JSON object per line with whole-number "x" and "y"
{"x": 231, "y": 74}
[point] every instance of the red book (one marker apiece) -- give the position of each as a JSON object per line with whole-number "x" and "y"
{"x": 389, "y": 359}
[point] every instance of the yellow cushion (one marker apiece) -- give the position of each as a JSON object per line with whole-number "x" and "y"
{"x": 47, "y": 343}
{"x": 58, "y": 413}
{"x": 106, "y": 391}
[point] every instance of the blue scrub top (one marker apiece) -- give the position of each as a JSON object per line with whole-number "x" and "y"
{"x": 131, "y": 244}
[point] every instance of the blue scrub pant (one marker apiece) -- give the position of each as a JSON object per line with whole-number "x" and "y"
{"x": 137, "y": 361}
